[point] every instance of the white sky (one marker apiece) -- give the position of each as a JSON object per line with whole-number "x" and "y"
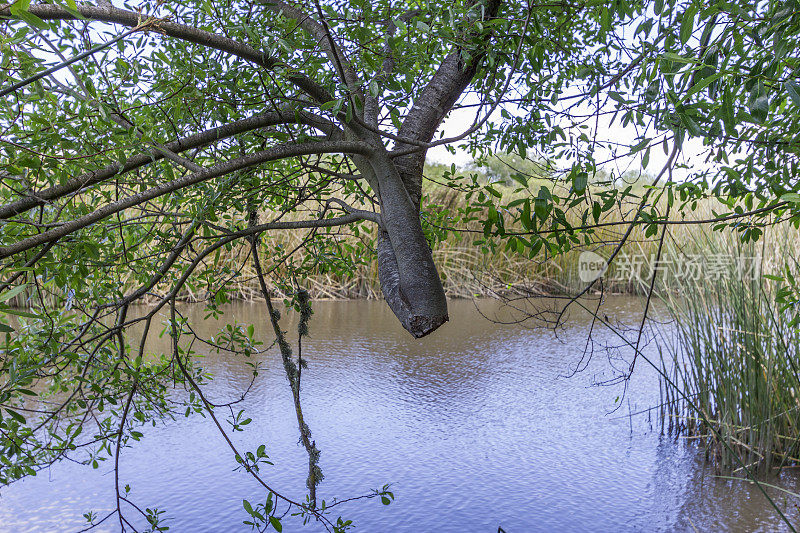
{"x": 692, "y": 153}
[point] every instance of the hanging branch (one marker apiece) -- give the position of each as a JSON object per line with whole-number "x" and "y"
{"x": 292, "y": 370}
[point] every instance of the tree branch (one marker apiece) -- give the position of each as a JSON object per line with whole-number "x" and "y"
{"x": 178, "y": 31}
{"x": 221, "y": 169}
{"x": 428, "y": 111}
{"x": 187, "y": 143}
{"x": 321, "y": 33}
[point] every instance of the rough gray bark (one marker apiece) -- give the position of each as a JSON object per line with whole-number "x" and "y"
{"x": 408, "y": 276}
{"x": 409, "y": 279}
{"x": 437, "y": 99}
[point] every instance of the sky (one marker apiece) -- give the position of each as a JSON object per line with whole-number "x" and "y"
{"x": 692, "y": 153}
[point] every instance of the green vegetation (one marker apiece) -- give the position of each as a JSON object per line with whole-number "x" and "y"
{"x": 736, "y": 355}
{"x": 151, "y": 151}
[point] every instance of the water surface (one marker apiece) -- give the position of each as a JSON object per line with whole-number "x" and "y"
{"x": 477, "y": 427}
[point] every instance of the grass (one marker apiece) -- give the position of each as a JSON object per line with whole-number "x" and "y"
{"x": 735, "y": 354}
{"x": 467, "y": 269}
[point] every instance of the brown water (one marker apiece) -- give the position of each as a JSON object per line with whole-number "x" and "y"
{"x": 476, "y": 427}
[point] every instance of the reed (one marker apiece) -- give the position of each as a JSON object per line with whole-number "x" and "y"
{"x": 467, "y": 270}
{"x": 349, "y": 270}
{"x": 734, "y": 352}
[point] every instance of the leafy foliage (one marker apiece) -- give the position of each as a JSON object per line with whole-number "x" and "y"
{"x": 128, "y": 173}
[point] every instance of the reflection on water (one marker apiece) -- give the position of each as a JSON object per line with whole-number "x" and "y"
{"x": 476, "y": 427}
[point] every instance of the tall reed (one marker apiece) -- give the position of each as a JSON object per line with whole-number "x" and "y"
{"x": 734, "y": 354}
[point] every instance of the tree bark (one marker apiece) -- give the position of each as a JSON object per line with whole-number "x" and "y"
{"x": 409, "y": 279}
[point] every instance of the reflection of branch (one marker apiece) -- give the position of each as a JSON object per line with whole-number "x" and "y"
{"x": 649, "y": 295}
{"x": 120, "y": 432}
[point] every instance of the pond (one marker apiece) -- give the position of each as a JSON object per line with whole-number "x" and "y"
{"x": 478, "y": 426}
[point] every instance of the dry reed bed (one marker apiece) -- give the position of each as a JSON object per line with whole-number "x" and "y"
{"x": 467, "y": 270}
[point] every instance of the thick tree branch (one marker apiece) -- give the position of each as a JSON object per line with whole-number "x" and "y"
{"x": 221, "y": 169}
{"x": 187, "y": 143}
{"x": 409, "y": 279}
{"x": 436, "y": 100}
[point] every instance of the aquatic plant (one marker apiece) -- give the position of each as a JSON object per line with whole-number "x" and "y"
{"x": 734, "y": 352}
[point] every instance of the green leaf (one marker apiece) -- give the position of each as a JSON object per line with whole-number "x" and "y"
{"x": 671, "y": 56}
{"x": 525, "y": 217}
{"x": 18, "y": 312}
{"x": 12, "y": 293}
{"x": 276, "y": 524}
{"x": 728, "y": 116}
{"x": 702, "y": 84}
{"x": 541, "y": 206}
{"x": 20, "y": 6}
{"x": 759, "y": 103}
{"x": 579, "y": 182}
{"x": 520, "y": 178}
{"x": 793, "y": 88}
{"x": 16, "y": 416}
{"x": 32, "y": 20}
{"x": 605, "y": 19}
{"x": 790, "y": 197}
{"x": 72, "y": 7}
{"x": 493, "y": 191}
{"x": 687, "y": 24}
{"x": 5, "y": 328}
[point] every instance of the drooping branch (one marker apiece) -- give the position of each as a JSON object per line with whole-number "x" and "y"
{"x": 186, "y": 143}
{"x": 408, "y": 276}
{"x": 221, "y": 169}
{"x": 178, "y": 31}
{"x": 293, "y": 372}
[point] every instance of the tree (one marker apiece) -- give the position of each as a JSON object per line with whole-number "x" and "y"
{"x": 129, "y": 164}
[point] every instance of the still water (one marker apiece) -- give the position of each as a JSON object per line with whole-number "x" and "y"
{"x": 478, "y": 426}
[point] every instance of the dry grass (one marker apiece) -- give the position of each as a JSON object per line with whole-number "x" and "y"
{"x": 467, "y": 270}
